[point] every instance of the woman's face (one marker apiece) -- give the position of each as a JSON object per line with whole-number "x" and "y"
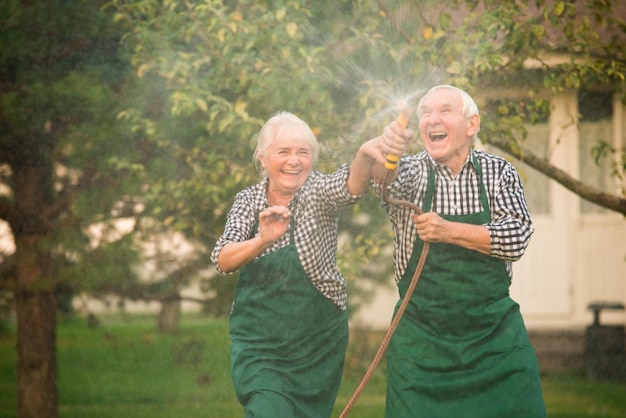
{"x": 287, "y": 162}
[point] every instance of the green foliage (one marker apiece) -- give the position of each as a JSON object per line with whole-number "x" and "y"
{"x": 217, "y": 71}
{"x": 60, "y": 92}
{"x": 151, "y": 108}
{"x": 210, "y": 73}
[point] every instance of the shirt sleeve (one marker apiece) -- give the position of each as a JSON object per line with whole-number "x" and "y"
{"x": 334, "y": 188}
{"x": 511, "y": 227}
{"x": 239, "y": 223}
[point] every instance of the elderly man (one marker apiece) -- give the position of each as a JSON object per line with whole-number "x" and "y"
{"x": 461, "y": 348}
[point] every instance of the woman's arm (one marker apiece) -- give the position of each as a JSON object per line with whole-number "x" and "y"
{"x": 370, "y": 159}
{"x": 273, "y": 223}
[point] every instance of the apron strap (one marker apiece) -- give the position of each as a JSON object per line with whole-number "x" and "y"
{"x": 430, "y": 189}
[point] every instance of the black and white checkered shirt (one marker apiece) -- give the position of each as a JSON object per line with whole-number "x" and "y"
{"x": 315, "y": 209}
{"x": 510, "y": 227}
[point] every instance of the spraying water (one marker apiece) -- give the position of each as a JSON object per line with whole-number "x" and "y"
{"x": 372, "y": 89}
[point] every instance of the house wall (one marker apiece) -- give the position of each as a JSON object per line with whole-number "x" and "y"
{"x": 578, "y": 253}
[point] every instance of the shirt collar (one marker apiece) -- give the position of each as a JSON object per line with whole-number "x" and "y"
{"x": 441, "y": 168}
{"x": 294, "y": 199}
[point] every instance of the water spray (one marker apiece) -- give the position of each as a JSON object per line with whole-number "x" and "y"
{"x": 390, "y": 165}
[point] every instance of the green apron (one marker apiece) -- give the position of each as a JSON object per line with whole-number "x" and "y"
{"x": 288, "y": 341}
{"x": 461, "y": 348}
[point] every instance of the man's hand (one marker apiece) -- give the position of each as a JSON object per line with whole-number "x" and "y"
{"x": 433, "y": 228}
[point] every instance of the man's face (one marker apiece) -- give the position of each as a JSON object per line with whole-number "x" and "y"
{"x": 445, "y": 131}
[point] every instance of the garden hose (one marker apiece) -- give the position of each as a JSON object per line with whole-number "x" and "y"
{"x": 390, "y": 166}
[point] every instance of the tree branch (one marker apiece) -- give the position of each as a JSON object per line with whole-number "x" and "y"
{"x": 382, "y": 6}
{"x": 589, "y": 193}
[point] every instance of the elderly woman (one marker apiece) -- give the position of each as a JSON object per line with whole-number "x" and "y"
{"x": 288, "y": 325}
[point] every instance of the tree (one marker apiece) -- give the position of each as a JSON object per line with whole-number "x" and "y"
{"x": 220, "y": 70}
{"x": 58, "y": 147}
{"x": 391, "y": 51}
{"x": 82, "y": 144}
{"x": 210, "y": 74}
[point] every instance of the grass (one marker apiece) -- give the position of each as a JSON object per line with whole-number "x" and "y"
{"x": 125, "y": 368}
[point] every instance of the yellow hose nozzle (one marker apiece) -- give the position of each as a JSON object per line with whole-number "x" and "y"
{"x": 403, "y": 120}
{"x": 404, "y": 116}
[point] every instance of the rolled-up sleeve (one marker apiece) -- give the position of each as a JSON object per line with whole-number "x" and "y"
{"x": 511, "y": 227}
{"x": 239, "y": 224}
{"x": 334, "y": 189}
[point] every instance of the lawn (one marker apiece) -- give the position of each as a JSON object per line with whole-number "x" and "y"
{"x": 125, "y": 368}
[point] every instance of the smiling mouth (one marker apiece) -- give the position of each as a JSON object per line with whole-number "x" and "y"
{"x": 436, "y": 136}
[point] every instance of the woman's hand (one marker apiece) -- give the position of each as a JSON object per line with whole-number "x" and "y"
{"x": 273, "y": 223}
{"x": 395, "y": 140}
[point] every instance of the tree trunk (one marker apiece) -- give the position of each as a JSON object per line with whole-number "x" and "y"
{"x": 169, "y": 317}
{"x": 36, "y": 367}
{"x": 37, "y": 394}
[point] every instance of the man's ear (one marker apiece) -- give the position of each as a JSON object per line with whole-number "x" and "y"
{"x": 473, "y": 125}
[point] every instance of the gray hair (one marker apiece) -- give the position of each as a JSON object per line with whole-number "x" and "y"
{"x": 284, "y": 123}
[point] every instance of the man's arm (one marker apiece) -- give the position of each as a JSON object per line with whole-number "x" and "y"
{"x": 433, "y": 228}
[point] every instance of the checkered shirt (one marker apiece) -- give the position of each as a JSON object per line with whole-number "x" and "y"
{"x": 510, "y": 227}
{"x": 315, "y": 209}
